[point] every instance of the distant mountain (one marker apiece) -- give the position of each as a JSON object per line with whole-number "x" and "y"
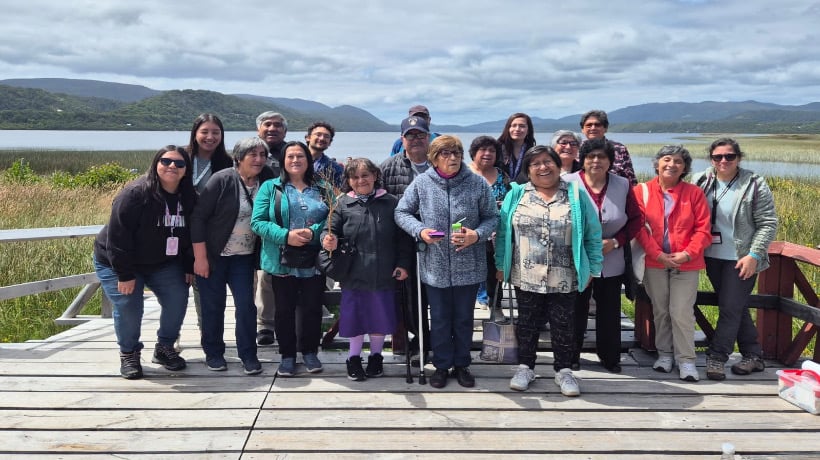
{"x": 87, "y": 88}
{"x": 343, "y": 118}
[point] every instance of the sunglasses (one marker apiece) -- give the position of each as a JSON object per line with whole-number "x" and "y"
{"x": 727, "y": 157}
{"x": 168, "y": 161}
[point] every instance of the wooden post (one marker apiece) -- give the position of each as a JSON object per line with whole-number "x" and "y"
{"x": 644, "y": 321}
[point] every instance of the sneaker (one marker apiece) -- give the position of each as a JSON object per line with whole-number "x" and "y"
{"x": 439, "y": 378}
{"x": 664, "y": 364}
{"x": 354, "y": 369}
{"x": 688, "y": 372}
{"x": 216, "y": 363}
{"x": 715, "y": 369}
{"x": 567, "y": 382}
{"x": 265, "y": 337}
{"x": 522, "y": 378}
{"x": 464, "y": 377}
{"x": 168, "y": 357}
{"x": 251, "y": 366}
{"x": 312, "y": 362}
{"x": 130, "y": 367}
{"x": 749, "y": 364}
{"x": 287, "y": 368}
{"x": 375, "y": 367}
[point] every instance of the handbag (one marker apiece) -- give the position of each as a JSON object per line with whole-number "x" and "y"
{"x": 336, "y": 264}
{"x": 498, "y": 336}
{"x": 293, "y": 256}
{"x": 636, "y": 250}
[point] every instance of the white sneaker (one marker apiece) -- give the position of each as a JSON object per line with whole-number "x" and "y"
{"x": 688, "y": 372}
{"x": 522, "y": 378}
{"x": 567, "y": 382}
{"x": 664, "y": 364}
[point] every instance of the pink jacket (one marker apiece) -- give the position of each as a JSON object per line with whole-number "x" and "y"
{"x": 689, "y": 223}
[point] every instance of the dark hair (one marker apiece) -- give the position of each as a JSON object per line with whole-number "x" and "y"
{"x": 219, "y": 159}
{"x": 482, "y": 142}
{"x": 309, "y": 173}
{"x": 674, "y": 150}
{"x": 321, "y": 124}
{"x": 530, "y": 155}
{"x": 153, "y": 187}
{"x": 506, "y": 141}
{"x": 356, "y": 164}
{"x": 597, "y": 144}
{"x": 725, "y": 141}
{"x": 599, "y": 114}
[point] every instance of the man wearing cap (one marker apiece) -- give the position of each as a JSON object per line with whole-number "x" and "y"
{"x": 398, "y": 172}
{"x": 415, "y": 111}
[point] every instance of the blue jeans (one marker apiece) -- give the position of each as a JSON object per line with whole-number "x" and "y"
{"x": 237, "y": 273}
{"x": 167, "y": 283}
{"x": 451, "y": 324}
{"x": 482, "y": 296}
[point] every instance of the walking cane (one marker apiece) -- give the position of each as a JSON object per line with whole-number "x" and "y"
{"x": 407, "y": 315}
{"x": 422, "y": 378}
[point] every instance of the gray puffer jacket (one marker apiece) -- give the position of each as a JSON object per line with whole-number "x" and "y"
{"x": 440, "y": 202}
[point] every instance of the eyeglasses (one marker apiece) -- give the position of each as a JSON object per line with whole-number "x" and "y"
{"x": 450, "y": 153}
{"x": 593, "y": 124}
{"x": 727, "y": 157}
{"x": 412, "y": 137}
{"x": 542, "y": 164}
{"x": 168, "y": 161}
{"x": 596, "y": 156}
{"x": 569, "y": 143}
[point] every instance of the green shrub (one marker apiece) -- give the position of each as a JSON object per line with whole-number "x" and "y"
{"x": 20, "y": 173}
{"x": 62, "y": 179}
{"x": 104, "y": 176}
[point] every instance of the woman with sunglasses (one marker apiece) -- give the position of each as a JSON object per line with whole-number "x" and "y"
{"x": 147, "y": 242}
{"x": 744, "y": 223}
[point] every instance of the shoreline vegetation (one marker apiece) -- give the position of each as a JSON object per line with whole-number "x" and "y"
{"x": 69, "y": 188}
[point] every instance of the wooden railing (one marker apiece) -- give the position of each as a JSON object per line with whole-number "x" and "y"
{"x": 71, "y": 316}
{"x": 775, "y": 304}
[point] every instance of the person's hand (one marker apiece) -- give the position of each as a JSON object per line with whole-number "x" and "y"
{"x": 126, "y": 287}
{"x": 464, "y": 239}
{"x": 425, "y": 236}
{"x": 201, "y": 267}
{"x": 499, "y": 275}
{"x": 400, "y": 274}
{"x": 607, "y": 245}
{"x": 747, "y": 266}
{"x": 667, "y": 261}
{"x": 679, "y": 258}
{"x": 330, "y": 242}
{"x": 299, "y": 236}
{"x": 189, "y": 279}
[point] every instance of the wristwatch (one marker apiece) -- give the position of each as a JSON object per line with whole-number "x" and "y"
{"x": 617, "y": 245}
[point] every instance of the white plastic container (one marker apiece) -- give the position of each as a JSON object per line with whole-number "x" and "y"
{"x": 800, "y": 387}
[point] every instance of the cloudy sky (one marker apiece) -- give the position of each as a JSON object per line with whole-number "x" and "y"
{"x": 467, "y": 60}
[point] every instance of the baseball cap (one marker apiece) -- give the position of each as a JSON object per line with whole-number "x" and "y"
{"x": 414, "y": 122}
{"x": 418, "y": 109}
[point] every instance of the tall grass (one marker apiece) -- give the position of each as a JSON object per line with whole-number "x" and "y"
{"x": 788, "y": 148}
{"x": 75, "y": 161}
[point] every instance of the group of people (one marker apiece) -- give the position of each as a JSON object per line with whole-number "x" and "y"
{"x": 555, "y": 221}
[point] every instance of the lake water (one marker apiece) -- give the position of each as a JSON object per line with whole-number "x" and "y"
{"x": 373, "y": 145}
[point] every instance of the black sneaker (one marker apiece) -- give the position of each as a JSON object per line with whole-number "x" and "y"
{"x": 265, "y": 337}
{"x": 439, "y": 378}
{"x": 130, "y": 367}
{"x": 375, "y": 368}
{"x": 355, "y": 371}
{"x": 251, "y": 366}
{"x": 464, "y": 377}
{"x": 168, "y": 357}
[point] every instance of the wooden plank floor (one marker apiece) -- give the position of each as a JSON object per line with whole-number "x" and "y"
{"x": 63, "y": 398}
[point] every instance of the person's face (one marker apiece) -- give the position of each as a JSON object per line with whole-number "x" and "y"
{"x": 172, "y": 173}
{"x": 720, "y": 158}
{"x": 593, "y": 128}
{"x": 319, "y": 139}
{"x": 415, "y": 144}
{"x": 671, "y": 167}
{"x": 544, "y": 173}
{"x": 208, "y": 137}
{"x": 485, "y": 157}
{"x": 273, "y": 131}
{"x": 295, "y": 161}
{"x": 362, "y": 181}
{"x": 567, "y": 148}
{"x": 519, "y": 129}
{"x": 448, "y": 161}
{"x": 596, "y": 162}
{"x": 252, "y": 163}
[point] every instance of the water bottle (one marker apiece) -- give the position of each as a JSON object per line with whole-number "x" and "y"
{"x": 728, "y": 451}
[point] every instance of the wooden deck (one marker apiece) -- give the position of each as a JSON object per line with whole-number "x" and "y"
{"x": 63, "y": 398}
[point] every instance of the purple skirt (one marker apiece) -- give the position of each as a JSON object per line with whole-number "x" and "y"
{"x": 367, "y": 312}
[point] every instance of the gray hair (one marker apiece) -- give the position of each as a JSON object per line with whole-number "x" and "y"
{"x": 243, "y": 146}
{"x": 674, "y": 150}
{"x": 268, "y": 115}
{"x": 564, "y": 133}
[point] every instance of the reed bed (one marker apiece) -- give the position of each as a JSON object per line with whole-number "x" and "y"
{"x": 788, "y": 148}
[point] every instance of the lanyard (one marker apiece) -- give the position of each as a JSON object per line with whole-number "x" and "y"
{"x": 198, "y": 178}
{"x": 174, "y": 221}
{"x": 716, "y": 199}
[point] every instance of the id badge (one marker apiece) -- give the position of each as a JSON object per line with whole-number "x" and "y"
{"x": 171, "y": 246}
{"x": 716, "y": 238}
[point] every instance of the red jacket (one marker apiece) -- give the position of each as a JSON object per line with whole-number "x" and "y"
{"x": 689, "y": 223}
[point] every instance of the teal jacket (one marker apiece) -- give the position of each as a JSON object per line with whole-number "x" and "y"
{"x": 586, "y": 234}
{"x": 263, "y": 223}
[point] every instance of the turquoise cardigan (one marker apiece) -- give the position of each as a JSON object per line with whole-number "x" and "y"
{"x": 263, "y": 223}
{"x": 586, "y": 234}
